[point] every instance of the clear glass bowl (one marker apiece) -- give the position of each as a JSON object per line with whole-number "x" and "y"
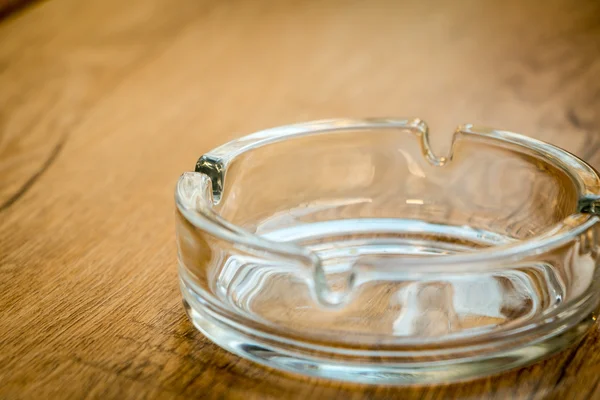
{"x": 346, "y": 249}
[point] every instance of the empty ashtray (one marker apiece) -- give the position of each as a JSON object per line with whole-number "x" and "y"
{"x": 347, "y": 249}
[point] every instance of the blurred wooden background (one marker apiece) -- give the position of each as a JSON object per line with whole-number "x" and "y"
{"x": 103, "y": 103}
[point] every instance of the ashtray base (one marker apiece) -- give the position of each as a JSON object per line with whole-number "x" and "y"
{"x": 417, "y": 372}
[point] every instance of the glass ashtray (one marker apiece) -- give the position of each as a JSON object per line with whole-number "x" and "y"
{"x": 346, "y": 249}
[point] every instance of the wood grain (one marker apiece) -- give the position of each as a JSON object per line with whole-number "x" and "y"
{"x": 103, "y": 104}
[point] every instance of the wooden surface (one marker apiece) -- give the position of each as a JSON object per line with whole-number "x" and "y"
{"x": 11, "y": 6}
{"x": 104, "y": 103}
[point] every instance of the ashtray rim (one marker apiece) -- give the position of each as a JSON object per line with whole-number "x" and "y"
{"x": 213, "y": 165}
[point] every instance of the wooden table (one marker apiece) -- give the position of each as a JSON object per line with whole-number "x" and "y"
{"x": 104, "y": 103}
